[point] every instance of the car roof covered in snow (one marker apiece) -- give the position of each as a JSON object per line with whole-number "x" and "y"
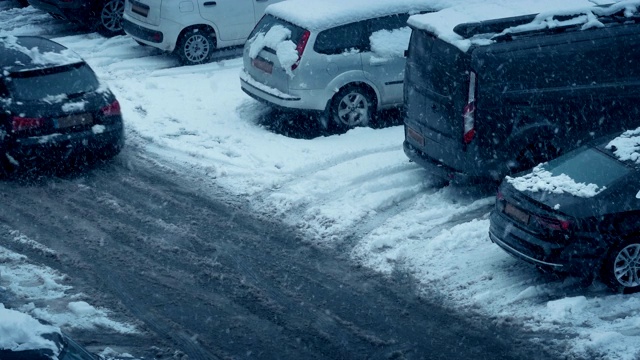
{"x": 443, "y": 23}
{"x": 21, "y": 332}
{"x": 21, "y": 53}
{"x": 320, "y": 15}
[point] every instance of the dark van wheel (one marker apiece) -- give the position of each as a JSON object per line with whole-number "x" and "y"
{"x": 621, "y": 268}
{"x": 23, "y": 3}
{"x": 195, "y": 46}
{"x": 532, "y": 155}
{"x": 109, "y": 18}
{"x": 352, "y": 106}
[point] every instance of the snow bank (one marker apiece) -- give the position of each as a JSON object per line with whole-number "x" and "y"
{"x": 443, "y": 22}
{"x": 20, "y": 332}
{"x": 320, "y": 15}
{"x": 540, "y": 179}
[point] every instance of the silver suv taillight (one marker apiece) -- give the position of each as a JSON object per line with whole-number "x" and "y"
{"x": 469, "y": 111}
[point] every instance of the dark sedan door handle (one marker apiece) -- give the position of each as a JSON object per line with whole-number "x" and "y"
{"x": 210, "y": 3}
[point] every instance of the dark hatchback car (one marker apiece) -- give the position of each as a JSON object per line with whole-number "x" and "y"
{"x": 577, "y": 214}
{"x": 103, "y": 16}
{"x": 68, "y": 350}
{"x": 53, "y": 108}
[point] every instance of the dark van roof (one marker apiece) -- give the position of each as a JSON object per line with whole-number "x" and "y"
{"x": 22, "y": 53}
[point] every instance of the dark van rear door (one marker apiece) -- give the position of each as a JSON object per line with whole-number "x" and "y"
{"x": 435, "y": 84}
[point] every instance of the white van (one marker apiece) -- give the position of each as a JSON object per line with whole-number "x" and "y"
{"x": 192, "y": 29}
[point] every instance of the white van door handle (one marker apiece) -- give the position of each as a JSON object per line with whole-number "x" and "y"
{"x": 210, "y": 3}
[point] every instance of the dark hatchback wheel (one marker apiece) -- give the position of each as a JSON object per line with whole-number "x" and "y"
{"x": 109, "y": 18}
{"x": 621, "y": 268}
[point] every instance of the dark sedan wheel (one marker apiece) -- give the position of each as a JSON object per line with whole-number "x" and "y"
{"x": 195, "y": 46}
{"x": 110, "y": 18}
{"x": 352, "y": 106}
{"x": 621, "y": 269}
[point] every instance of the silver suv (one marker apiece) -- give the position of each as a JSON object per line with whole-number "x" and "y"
{"x": 340, "y": 62}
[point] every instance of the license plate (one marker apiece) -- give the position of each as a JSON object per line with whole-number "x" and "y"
{"x": 263, "y": 65}
{"x": 74, "y": 120}
{"x": 516, "y": 213}
{"x": 415, "y": 136}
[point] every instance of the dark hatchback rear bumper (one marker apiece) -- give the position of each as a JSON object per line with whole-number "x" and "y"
{"x": 579, "y": 255}
{"x": 59, "y": 149}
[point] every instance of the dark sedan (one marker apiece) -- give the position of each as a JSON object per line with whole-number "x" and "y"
{"x": 578, "y": 214}
{"x": 103, "y": 16}
{"x": 53, "y": 108}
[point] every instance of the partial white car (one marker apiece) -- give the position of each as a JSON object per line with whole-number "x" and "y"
{"x": 192, "y": 29}
{"x": 342, "y": 58}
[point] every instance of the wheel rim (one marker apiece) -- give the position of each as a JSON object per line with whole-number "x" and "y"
{"x": 626, "y": 268}
{"x": 111, "y": 15}
{"x": 353, "y": 109}
{"x": 196, "y": 48}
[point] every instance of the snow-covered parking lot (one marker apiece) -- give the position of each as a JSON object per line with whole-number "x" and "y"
{"x": 355, "y": 191}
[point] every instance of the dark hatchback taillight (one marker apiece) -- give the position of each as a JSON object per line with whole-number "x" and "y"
{"x": 300, "y": 46}
{"x": 552, "y": 223}
{"x": 19, "y": 123}
{"x": 469, "y": 111}
{"x": 112, "y": 109}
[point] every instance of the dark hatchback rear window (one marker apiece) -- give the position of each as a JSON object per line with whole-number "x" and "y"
{"x": 38, "y": 84}
{"x": 588, "y": 166}
{"x": 269, "y": 21}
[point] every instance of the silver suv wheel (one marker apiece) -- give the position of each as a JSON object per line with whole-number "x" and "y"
{"x": 111, "y": 15}
{"x": 352, "y": 107}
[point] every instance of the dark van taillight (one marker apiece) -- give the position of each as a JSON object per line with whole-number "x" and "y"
{"x": 300, "y": 46}
{"x": 469, "y": 111}
{"x": 19, "y": 123}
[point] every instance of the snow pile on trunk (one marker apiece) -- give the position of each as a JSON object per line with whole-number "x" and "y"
{"x": 276, "y": 38}
{"x": 540, "y": 179}
{"x": 626, "y": 146}
{"x": 388, "y": 44}
{"x": 19, "y": 332}
{"x": 65, "y": 57}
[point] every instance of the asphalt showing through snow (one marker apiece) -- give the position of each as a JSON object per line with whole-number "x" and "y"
{"x": 209, "y": 279}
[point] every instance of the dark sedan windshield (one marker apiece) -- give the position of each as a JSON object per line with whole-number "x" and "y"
{"x": 588, "y": 166}
{"x": 39, "y": 84}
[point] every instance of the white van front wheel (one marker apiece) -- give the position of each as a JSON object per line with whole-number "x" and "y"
{"x": 196, "y": 46}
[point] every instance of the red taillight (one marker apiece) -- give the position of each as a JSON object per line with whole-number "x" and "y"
{"x": 19, "y": 123}
{"x": 112, "y": 110}
{"x": 302, "y": 44}
{"x": 469, "y": 111}
{"x": 556, "y": 224}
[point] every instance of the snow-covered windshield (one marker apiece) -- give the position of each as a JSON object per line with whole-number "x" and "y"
{"x": 42, "y": 84}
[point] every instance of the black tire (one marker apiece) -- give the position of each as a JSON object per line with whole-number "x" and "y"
{"x": 108, "y": 18}
{"x": 354, "y": 105}
{"x": 195, "y": 46}
{"x": 621, "y": 268}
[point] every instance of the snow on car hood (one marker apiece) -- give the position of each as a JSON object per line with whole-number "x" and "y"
{"x": 320, "y": 15}
{"x": 541, "y": 180}
{"x": 19, "y": 332}
{"x": 443, "y": 22}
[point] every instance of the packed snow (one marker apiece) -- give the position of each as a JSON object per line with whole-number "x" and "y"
{"x": 320, "y": 15}
{"x": 626, "y": 146}
{"x": 356, "y": 192}
{"x": 540, "y": 179}
{"x": 443, "y": 22}
{"x": 19, "y": 332}
{"x": 389, "y": 44}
